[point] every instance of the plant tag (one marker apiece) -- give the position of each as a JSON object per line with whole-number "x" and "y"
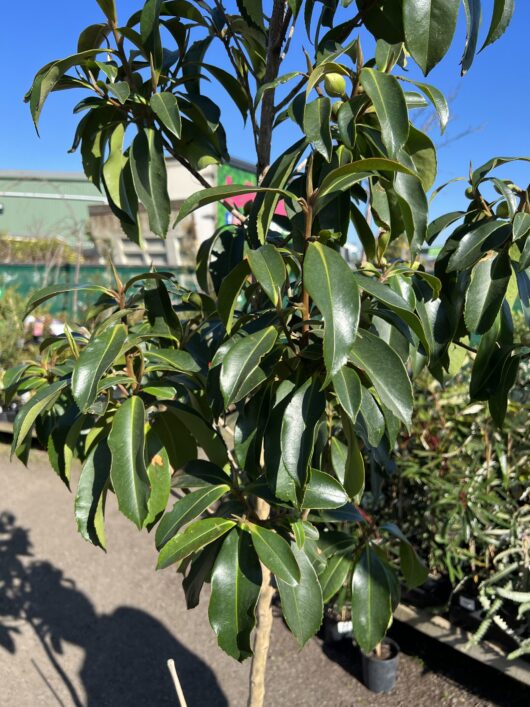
{"x": 467, "y": 603}
{"x": 344, "y": 627}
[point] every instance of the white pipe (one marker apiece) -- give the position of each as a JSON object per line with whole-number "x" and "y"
{"x": 62, "y": 197}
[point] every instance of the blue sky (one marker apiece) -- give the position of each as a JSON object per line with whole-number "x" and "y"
{"x": 493, "y": 99}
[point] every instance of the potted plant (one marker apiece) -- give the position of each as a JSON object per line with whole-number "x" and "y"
{"x": 282, "y": 342}
{"x": 380, "y": 666}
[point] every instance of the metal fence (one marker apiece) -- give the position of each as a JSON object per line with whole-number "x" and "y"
{"x": 26, "y": 279}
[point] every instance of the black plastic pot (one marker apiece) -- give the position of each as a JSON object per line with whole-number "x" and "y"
{"x": 379, "y": 674}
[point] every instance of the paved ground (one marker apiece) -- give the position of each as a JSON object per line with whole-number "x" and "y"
{"x": 80, "y": 627}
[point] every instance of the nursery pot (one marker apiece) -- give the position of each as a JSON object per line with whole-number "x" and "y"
{"x": 379, "y": 674}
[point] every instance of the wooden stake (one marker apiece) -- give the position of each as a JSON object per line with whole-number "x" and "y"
{"x": 176, "y": 682}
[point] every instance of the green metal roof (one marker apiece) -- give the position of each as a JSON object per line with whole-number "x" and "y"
{"x": 46, "y": 204}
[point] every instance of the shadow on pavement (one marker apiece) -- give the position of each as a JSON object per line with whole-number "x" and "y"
{"x": 125, "y": 653}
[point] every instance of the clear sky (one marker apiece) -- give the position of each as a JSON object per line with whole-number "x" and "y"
{"x": 492, "y": 100}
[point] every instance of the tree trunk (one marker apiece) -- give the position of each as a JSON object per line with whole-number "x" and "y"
{"x": 256, "y": 690}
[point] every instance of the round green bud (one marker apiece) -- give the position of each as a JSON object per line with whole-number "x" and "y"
{"x": 335, "y": 85}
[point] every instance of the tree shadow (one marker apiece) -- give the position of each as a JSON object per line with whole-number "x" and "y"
{"x": 125, "y": 653}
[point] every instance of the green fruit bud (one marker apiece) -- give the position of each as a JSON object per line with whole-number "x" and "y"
{"x": 335, "y": 108}
{"x": 502, "y": 210}
{"x": 470, "y": 193}
{"x": 335, "y": 85}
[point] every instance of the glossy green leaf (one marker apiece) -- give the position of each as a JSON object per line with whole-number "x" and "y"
{"x": 414, "y": 209}
{"x": 436, "y": 97}
{"x": 323, "y": 492}
{"x": 240, "y": 372}
{"x": 501, "y": 18}
{"x": 172, "y": 360}
{"x": 317, "y": 115}
{"x": 299, "y": 428}
{"x": 268, "y": 268}
{"x": 395, "y": 302}
{"x": 265, "y": 203}
{"x": 49, "y": 76}
{"x": 346, "y": 176}
{"x": 214, "y": 194}
{"x": 521, "y": 225}
{"x": 330, "y": 284}
{"x": 43, "y": 399}
{"x": 302, "y": 604}
{"x": 149, "y": 175}
{"x": 477, "y": 242}
{"x": 334, "y": 576}
{"x": 354, "y": 472}
{"x": 159, "y": 475}
{"x": 90, "y": 496}
{"x": 200, "y": 473}
{"x": 186, "y": 509}
{"x": 371, "y": 601}
{"x": 193, "y": 538}
{"x": 347, "y": 386}
{"x": 236, "y": 583}
{"x": 275, "y": 553}
{"x": 473, "y": 12}
{"x": 388, "y": 99}
{"x": 489, "y": 282}
{"x": 166, "y": 109}
{"x": 199, "y": 572}
{"x": 413, "y": 569}
{"x": 387, "y": 373}
{"x": 128, "y": 471}
{"x": 423, "y": 153}
{"x": 95, "y": 359}
{"x": 229, "y": 293}
{"x": 429, "y": 29}
{"x": 109, "y": 9}
{"x": 41, "y": 296}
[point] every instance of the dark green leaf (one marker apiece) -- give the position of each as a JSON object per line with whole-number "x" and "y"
{"x": 299, "y": 428}
{"x": 172, "y": 360}
{"x": 96, "y": 358}
{"x": 236, "y": 583}
{"x": 149, "y": 174}
{"x": 388, "y": 99}
{"x": 128, "y": 472}
{"x": 323, "y": 492}
{"x": 90, "y": 496}
{"x": 334, "y": 576}
{"x": 346, "y": 176}
{"x": 347, "y": 386}
{"x": 501, "y": 18}
{"x": 229, "y": 293}
{"x": 317, "y": 115}
{"x": 302, "y": 604}
{"x": 43, "y": 399}
{"x": 240, "y": 372}
{"x": 195, "y": 536}
{"x": 371, "y": 601}
{"x": 387, "y": 373}
{"x": 225, "y": 191}
{"x": 47, "y": 293}
{"x": 330, "y": 284}
{"x": 489, "y": 282}
{"x": 185, "y": 509}
{"x": 414, "y": 571}
{"x": 429, "y": 29}
{"x": 269, "y": 270}
{"x": 166, "y": 109}
{"x": 476, "y": 243}
{"x": 437, "y": 99}
{"x": 275, "y": 553}
{"x": 473, "y": 11}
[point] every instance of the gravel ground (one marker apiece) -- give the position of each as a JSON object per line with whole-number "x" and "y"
{"x": 81, "y": 627}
